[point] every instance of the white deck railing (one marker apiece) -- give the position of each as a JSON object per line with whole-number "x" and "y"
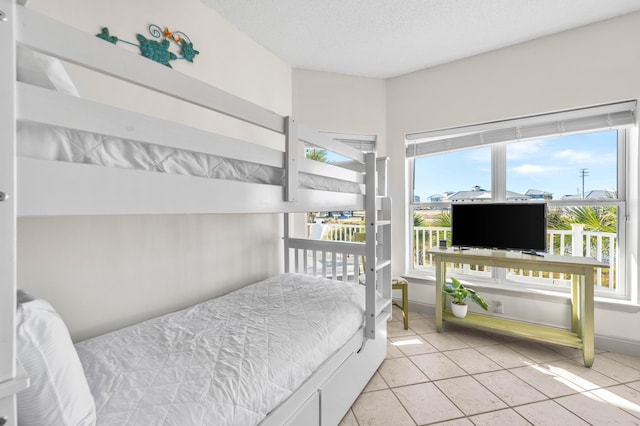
{"x": 333, "y": 231}
{"x": 342, "y": 262}
{"x": 574, "y": 242}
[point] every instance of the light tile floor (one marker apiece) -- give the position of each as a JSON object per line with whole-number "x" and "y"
{"x": 468, "y": 377}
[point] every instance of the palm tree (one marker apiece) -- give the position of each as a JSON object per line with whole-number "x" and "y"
{"x": 420, "y": 235}
{"x": 598, "y": 219}
{"x": 418, "y": 221}
{"x": 556, "y": 220}
{"x": 317, "y": 155}
{"x": 443, "y": 219}
{"x": 595, "y": 218}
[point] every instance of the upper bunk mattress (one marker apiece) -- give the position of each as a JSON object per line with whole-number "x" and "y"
{"x": 226, "y": 361}
{"x": 61, "y": 144}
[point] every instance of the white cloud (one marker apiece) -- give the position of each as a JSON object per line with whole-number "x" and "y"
{"x": 520, "y": 150}
{"x": 573, "y": 155}
{"x": 533, "y": 169}
{"x": 608, "y": 159}
{"x": 482, "y": 155}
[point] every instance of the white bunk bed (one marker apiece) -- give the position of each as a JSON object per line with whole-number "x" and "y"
{"x": 41, "y": 187}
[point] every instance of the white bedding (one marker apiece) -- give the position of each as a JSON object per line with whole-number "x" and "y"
{"x": 60, "y": 144}
{"x": 227, "y": 361}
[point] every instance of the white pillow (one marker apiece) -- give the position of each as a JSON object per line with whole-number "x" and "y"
{"x": 43, "y": 71}
{"x": 58, "y": 393}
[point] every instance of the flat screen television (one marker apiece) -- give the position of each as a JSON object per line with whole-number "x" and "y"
{"x": 521, "y": 226}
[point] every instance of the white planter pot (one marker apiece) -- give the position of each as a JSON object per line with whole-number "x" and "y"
{"x": 459, "y": 311}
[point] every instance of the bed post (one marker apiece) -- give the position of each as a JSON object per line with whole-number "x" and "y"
{"x": 8, "y": 379}
{"x": 291, "y": 177}
{"x": 291, "y": 160}
{"x": 285, "y": 232}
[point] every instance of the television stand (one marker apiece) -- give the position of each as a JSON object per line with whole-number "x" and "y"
{"x": 582, "y": 329}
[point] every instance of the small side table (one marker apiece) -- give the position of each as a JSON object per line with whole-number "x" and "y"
{"x": 581, "y": 335}
{"x": 399, "y": 283}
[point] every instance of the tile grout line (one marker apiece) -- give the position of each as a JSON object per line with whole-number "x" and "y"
{"x": 522, "y": 353}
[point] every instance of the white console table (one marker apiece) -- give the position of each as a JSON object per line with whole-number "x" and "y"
{"x": 582, "y": 269}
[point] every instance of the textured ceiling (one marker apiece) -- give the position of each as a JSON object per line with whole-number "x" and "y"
{"x": 387, "y": 38}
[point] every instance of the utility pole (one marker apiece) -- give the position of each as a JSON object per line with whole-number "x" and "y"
{"x": 583, "y": 174}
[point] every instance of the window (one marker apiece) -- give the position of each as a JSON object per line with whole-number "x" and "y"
{"x": 574, "y": 161}
{"x": 580, "y": 166}
{"x": 437, "y": 177}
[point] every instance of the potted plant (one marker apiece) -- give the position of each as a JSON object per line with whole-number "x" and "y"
{"x": 460, "y": 294}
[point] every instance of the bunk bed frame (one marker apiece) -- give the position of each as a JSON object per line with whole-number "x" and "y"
{"x": 31, "y": 187}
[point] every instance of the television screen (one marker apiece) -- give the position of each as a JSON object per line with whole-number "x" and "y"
{"x": 500, "y": 226}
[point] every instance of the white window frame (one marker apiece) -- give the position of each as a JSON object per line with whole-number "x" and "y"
{"x": 446, "y": 139}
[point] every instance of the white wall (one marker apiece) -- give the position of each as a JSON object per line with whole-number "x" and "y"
{"x": 590, "y": 65}
{"x": 105, "y": 272}
{"x": 341, "y": 103}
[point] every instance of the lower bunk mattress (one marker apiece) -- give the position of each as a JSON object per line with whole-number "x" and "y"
{"x": 226, "y": 361}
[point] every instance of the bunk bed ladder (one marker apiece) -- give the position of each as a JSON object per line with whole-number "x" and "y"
{"x": 377, "y": 242}
{"x": 377, "y": 246}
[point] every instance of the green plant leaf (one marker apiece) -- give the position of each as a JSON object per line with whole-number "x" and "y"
{"x": 480, "y": 301}
{"x": 460, "y": 293}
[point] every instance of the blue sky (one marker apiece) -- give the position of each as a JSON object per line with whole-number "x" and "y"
{"x": 552, "y": 165}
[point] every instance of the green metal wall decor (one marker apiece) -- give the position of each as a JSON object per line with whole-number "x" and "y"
{"x": 158, "y": 50}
